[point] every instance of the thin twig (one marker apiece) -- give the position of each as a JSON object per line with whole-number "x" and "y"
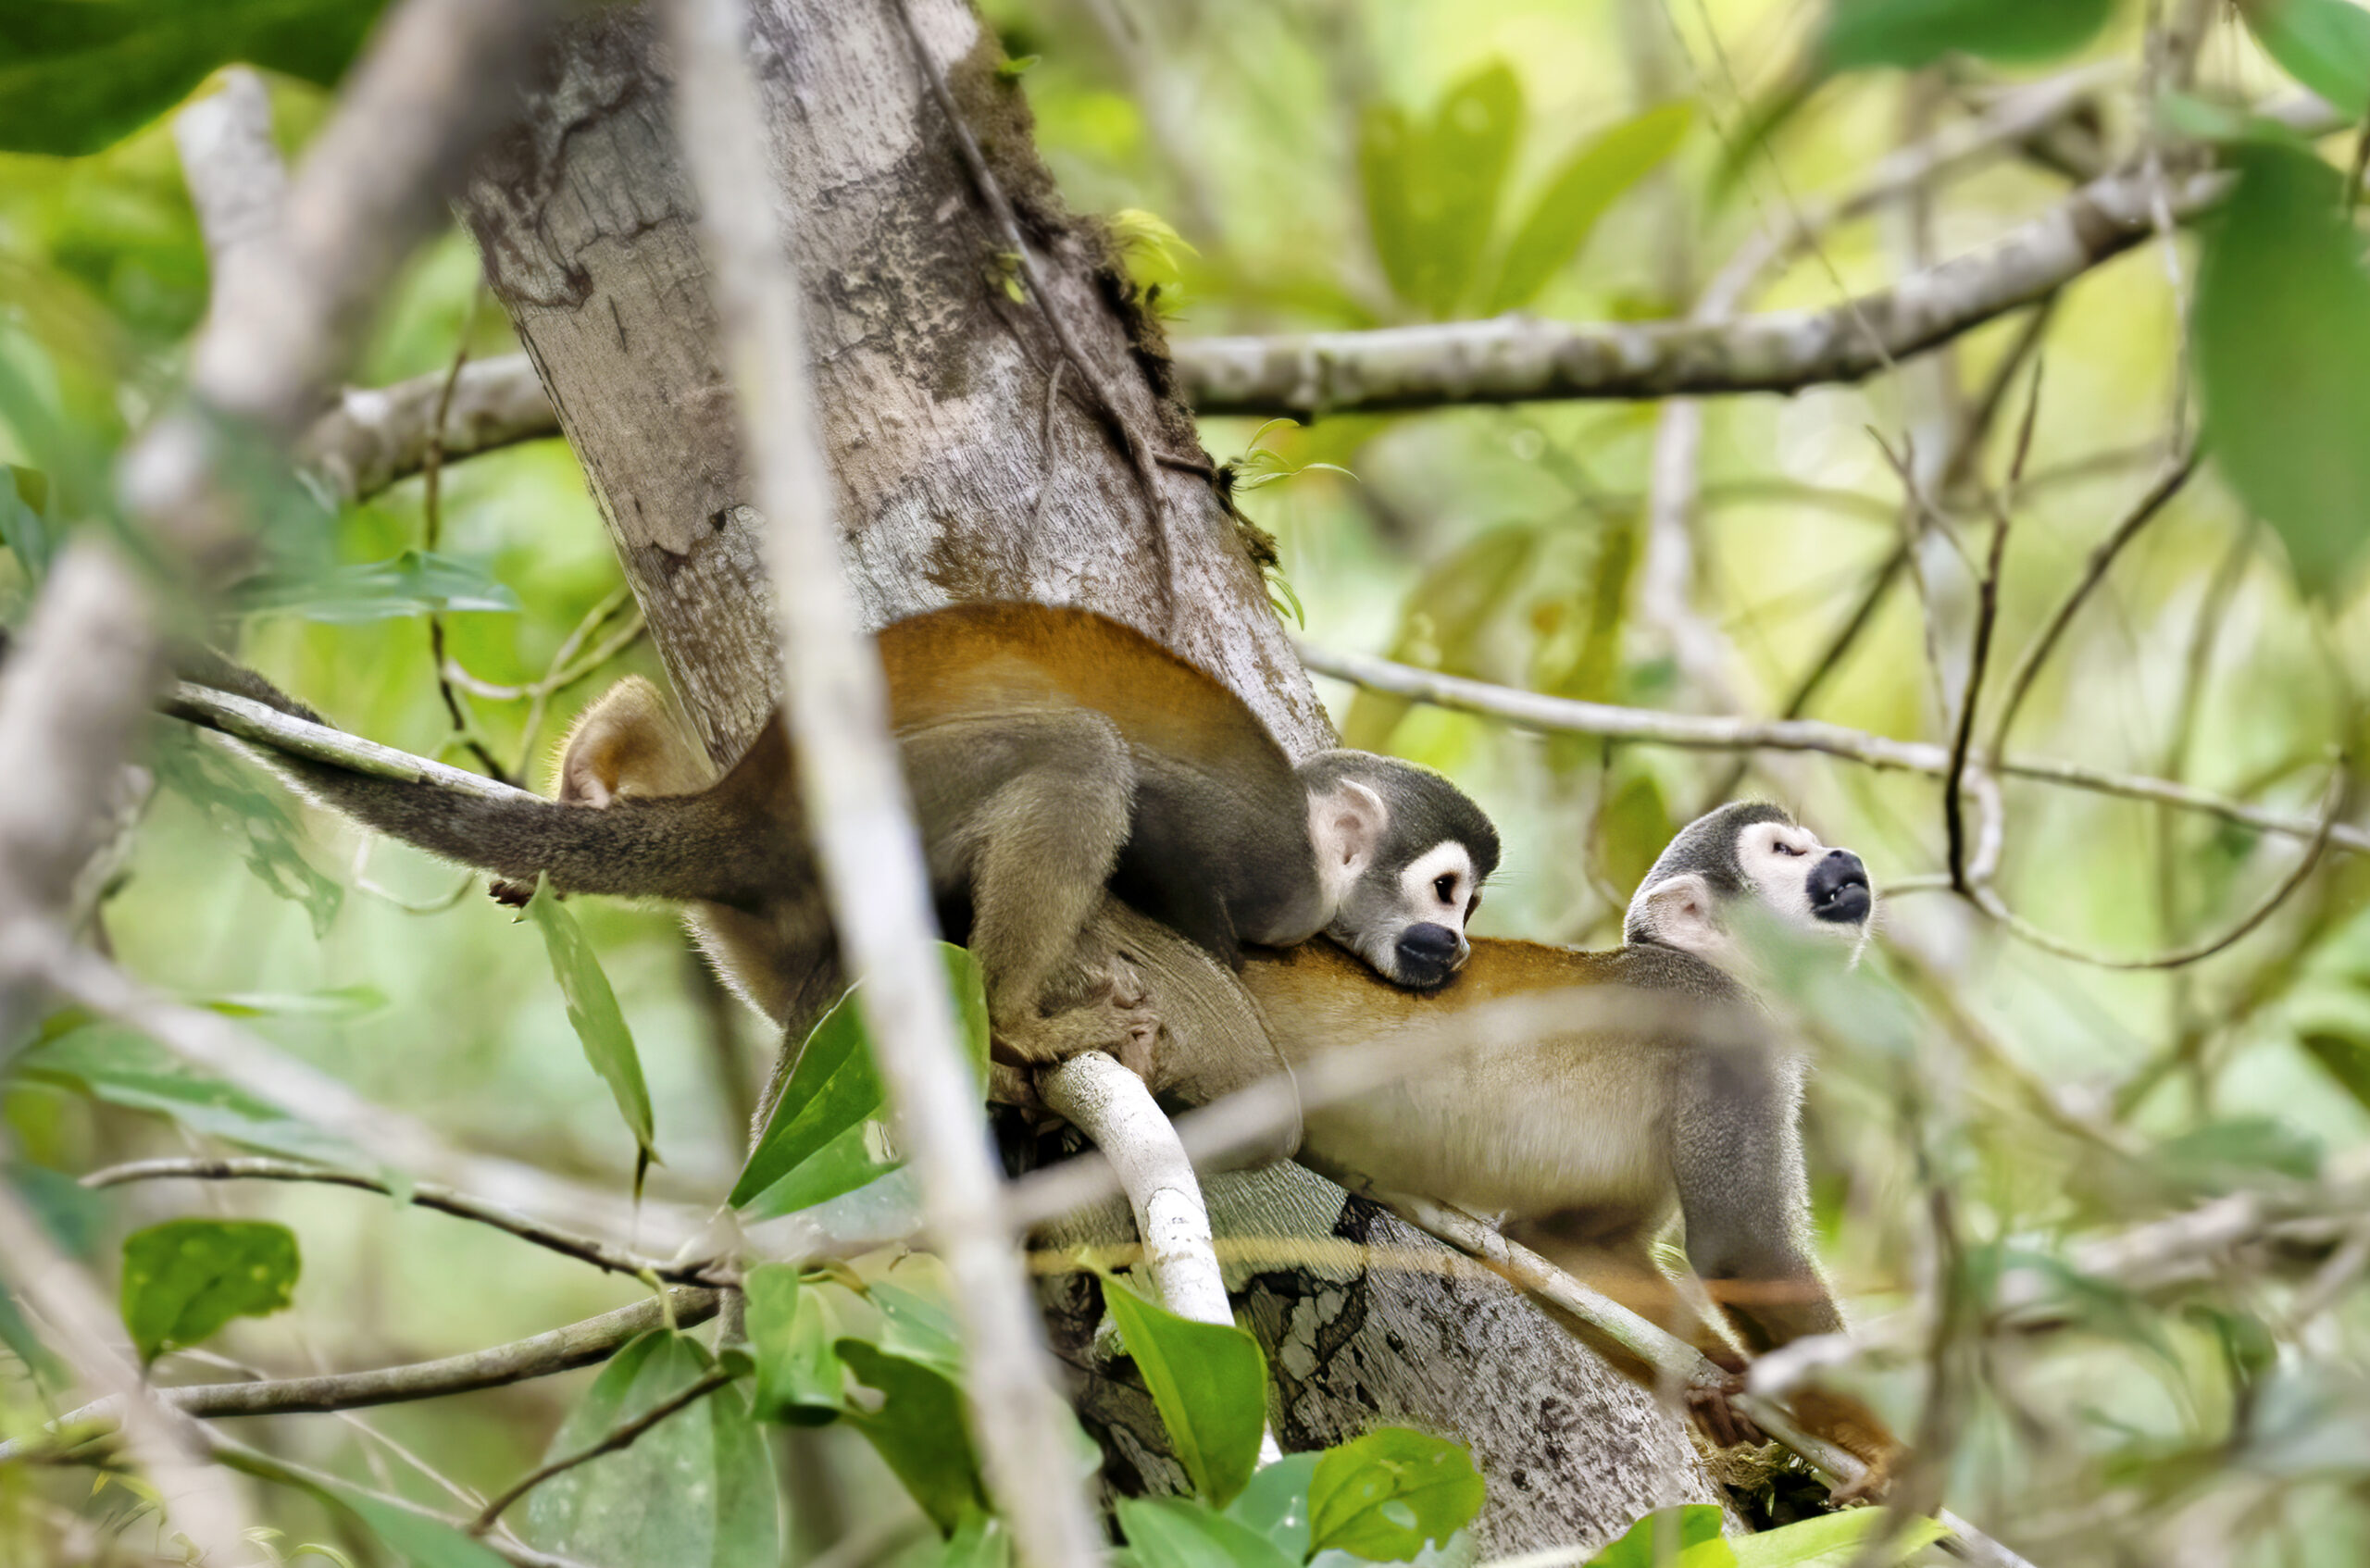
{"x": 1033, "y": 278}
{"x": 1988, "y": 900}
{"x": 496, "y": 1367}
{"x": 427, "y": 1195}
{"x": 1567, "y": 716}
{"x": 272, "y": 1467}
{"x": 431, "y": 509}
{"x": 622, "y": 1436}
{"x": 2028, "y": 665}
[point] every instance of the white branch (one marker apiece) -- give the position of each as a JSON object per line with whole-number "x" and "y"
{"x": 1113, "y": 1107}
{"x": 855, "y": 792}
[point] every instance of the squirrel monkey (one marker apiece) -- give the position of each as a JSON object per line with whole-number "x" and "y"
{"x": 1051, "y": 755}
{"x": 1584, "y": 1140}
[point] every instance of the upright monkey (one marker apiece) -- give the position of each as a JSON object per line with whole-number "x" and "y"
{"x": 1584, "y": 1140}
{"x": 1052, "y": 753}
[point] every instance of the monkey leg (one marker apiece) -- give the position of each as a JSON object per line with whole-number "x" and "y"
{"x": 1030, "y": 811}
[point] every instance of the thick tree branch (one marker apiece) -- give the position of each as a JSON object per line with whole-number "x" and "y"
{"x": 835, "y": 707}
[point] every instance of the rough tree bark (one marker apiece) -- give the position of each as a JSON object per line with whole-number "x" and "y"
{"x": 970, "y": 467}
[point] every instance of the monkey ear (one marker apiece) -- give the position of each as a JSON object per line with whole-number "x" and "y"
{"x": 1680, "y": 911}
{"x": 626, "y": 744}
{"x": 1347, "y": 826}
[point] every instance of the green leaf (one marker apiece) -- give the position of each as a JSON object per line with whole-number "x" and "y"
{"x": 1384, "y": 1495}
{"x": 829, "y": 1132}
{"x": 2282, "y": 338}
{"x": 1275, "y": 1504}
{"x": 919, "y": 1430}
{"x": 917, "y": 1326}
{"x": 1829, "y": 1540}
{"x": 1177, "y": 1533}
{"x": 26, "y": 534}
{"x": 2345, "y": 1057}
{"x": 339, "y": 1004}
{"x": 593, "y": 1012}
{"x": 1911, "y": 33}
{"x": 424, "y": 1543}
{"x": 799, "y": 1377}
{"x": 77, "y": 75}
{"x": 269, "y": 837}
{"x": 17, "y": 1335}
{"x": 118, "y": 1068}
{"x": 413, "y": 583}
{"x": 1209, "y": 1382}
{"x": 1577, "y": 194}
{"x": 2324, "y": 44}
{"x": 1431, "y": 190}
{"x": 184, "y": 1279}
{"x": 1688, "y": 1534}
{"x": 1014, "y": 70}
{"x": 981, "y": 1541}
{"x": 694, "y": 1491}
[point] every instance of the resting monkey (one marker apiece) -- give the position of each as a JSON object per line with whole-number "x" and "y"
{"x": 1052, "y": 753}
{"x": 1585, "y": 1139}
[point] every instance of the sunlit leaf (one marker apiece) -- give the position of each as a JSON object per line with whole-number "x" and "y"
{"x": 76, "y": 74}
{"x": 1687, "y": 1534}
{"x": 1180, "y": 1533}
{"x": 697, "y": 1490}
{"x": 1432, "y": 188}
{"x": 1830, "y": 1540}
{"x": 268, "y": 837}
{"x": 1912, "y": 34}
{"x": 2323, "y": 44}
{"x": 593, "y": 1012}
{"x": 1577, "y": 194}
{"x": 799, "y": 1377}
{"x": 828, "y": 1132}
{"x": 919, "y": 1430}
{"x": 1208, "y": 1380}
{"x": 184, "y": 1279}
{"x": 413, "y": 583}
{"x": 1386, "y": 1494}
{"x": 2282, "y": 337}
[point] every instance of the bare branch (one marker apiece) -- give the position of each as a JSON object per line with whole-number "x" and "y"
{"x": 854, "y": 789}
{"x": 522, "y": 1360}
{"x": 1565, "y": 716}
{"x": 375, "y": 437}
{"x": 427, "y": 1195}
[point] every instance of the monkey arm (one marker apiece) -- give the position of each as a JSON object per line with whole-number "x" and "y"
{"x": 1737, "y": 1163}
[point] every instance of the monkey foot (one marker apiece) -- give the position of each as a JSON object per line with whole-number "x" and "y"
{"x": 1118, "y": 1022}
{"x": 1872, "y": 1486}
{"x": 1712, "y": 1406}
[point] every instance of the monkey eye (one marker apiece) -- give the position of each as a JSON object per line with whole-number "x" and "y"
{"x": 1784, "y": 847}
{"x": 1446, "y": 888}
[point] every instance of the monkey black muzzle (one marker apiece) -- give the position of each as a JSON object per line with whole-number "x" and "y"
{"x": 1427, "y": 954}
{"x": 1838, "y": 890}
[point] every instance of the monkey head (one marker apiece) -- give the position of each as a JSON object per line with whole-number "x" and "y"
{"x": 1748, "y": 858}
{"x": 1402, "y": 853}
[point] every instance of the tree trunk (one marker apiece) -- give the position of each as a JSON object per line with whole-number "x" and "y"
{"x": 968, "y": 468}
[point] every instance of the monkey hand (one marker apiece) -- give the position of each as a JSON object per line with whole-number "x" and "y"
{"x": 1711, "y": 1404}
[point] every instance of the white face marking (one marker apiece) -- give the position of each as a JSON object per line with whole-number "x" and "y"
{"x": 1438, "y": 886}
{"x": 1780, "y": 858}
